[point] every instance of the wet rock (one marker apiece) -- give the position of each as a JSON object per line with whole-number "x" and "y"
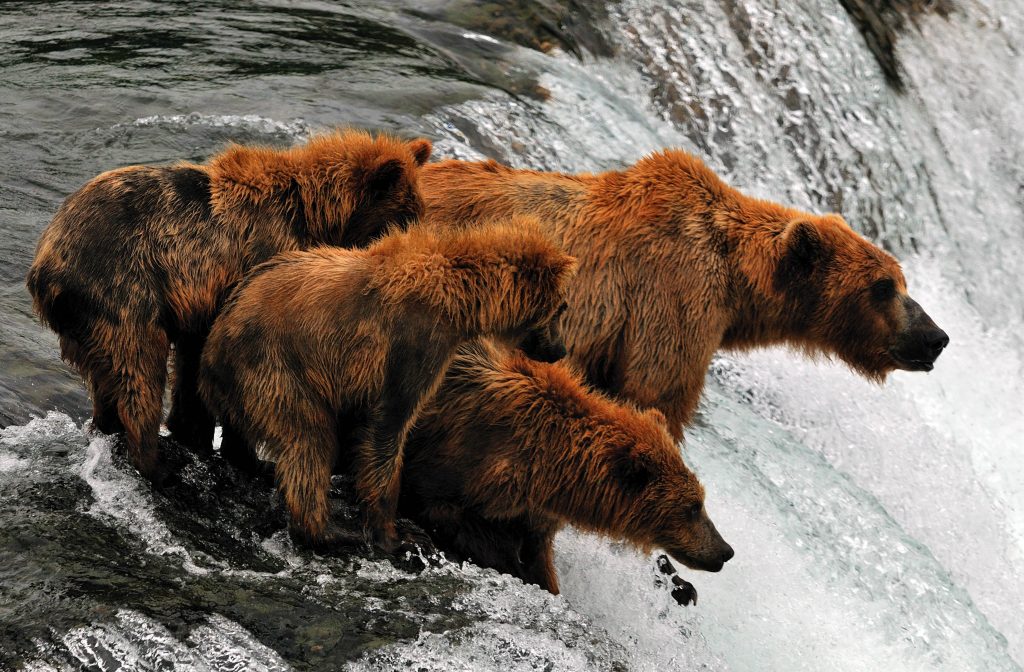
{"x": 881, "y": 22}
{"x": 573, "y": 26}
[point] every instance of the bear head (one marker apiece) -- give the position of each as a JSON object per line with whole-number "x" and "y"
{"x": 664, "y": 499}
{"x": 350, "y": 187}
{"x": 544, "y": 342}
{"x": 843, "y": 295}
{"x": 534, "y": 277}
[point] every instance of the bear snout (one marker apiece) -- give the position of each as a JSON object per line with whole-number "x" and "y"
{"x": 711, "y": 561}
{"x": 922, "y": 342}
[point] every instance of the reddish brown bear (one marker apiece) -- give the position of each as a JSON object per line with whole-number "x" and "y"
{"x": 141, "y": 258}
{"x": 675, "y": 264}
{"x": 335, "y": 349}
{"x": 510, "y": 450}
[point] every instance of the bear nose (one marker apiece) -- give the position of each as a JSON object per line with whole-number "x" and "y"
{"x": 937, "y": 341}
{"x": 727, "y": 553}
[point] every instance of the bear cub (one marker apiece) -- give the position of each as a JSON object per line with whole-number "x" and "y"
{"x": 511, "y": 450}
{"x": 141, "y": 258}
{"x": 326, "y": 356}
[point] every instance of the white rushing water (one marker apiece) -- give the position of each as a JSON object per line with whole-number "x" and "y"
{"x": 875, "y": 527}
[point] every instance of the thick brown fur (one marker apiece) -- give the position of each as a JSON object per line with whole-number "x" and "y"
{"x": 510, "y": 450}
{"x": 140, "y": 258}
{"x": 333, "y": 349}
{"x": 675, "y": 264}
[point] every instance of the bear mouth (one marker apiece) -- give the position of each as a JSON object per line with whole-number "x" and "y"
{"x": 695, "y": 563}
{"x": 911, "y": 364}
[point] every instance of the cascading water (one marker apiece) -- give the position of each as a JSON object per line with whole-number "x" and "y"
{"x": 874, "y": 527}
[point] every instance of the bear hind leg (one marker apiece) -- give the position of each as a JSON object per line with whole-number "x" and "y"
{"x": 103, "y": 389}
{"x": 407, "y": 382}
{"x": 139, "y": 363}
{"x": 189, "y": 421}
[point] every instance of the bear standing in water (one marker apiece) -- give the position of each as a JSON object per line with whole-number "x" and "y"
{"x": 337, "y": 350}
{"x": 510, "y": 450}
{"x": 675, "y": 264}
{"x": 142, "y": 257}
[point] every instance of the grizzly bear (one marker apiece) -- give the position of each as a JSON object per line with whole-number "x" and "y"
{"x": 676, "y": 264}
{"x": 510, "y": 450}
{"x": 331, "y": 349}
{"x": 141, "y": 258}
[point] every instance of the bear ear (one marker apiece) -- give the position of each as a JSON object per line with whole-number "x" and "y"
{"x": 383, "y": 177}
{"x": 420, "y": 148}
{"x": 802, "y": 249}
{"x": 632, "y": 470}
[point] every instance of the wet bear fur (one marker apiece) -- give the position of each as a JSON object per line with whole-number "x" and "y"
{"x": 511, "y": 450}
{"x": 141, "y": 258}
{"x": 325, "y": 357}
{"x": 675, "y": 264}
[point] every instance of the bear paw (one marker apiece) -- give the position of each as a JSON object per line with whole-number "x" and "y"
{"x": 683, "y": 592}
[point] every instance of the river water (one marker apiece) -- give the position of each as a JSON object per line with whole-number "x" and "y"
{"x": 875, "y": 527}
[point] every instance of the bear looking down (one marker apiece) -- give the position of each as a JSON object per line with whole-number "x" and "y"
{"x": 674, "y": 264}
{"x": 142, "y": 257}
{"x": 329, "y": 354}
{"x": 510, "y": 450}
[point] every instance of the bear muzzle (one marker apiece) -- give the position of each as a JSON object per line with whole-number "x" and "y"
{"x": 921, "y": 343}
{"x": 710, "y": 563}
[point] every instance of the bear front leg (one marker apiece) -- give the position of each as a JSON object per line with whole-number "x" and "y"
{"x": 237, "y": 452}
{"x": 303, "y": 471}
{"x": 189, "y": 422}
{"x": 537, "y": 554}
{"x": 412, "y": 373}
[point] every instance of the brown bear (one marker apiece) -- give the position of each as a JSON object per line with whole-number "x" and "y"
{"x": 675, "y": 264}
{"x": 510, "y": 450}
{"x": 333, "y": 349}
{"x": 141, "y": 258}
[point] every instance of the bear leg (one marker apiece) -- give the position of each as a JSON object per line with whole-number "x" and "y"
{"x": 412, "y": 371}
{"x": 104, "y": 416}
{"x": 303, "y": 471}
{"x": 139, "y": 358}
{"x": 102, "y": 388}
{"x": 538, "y": 558}
{"x": 236, "y": 451}
{"x": 189, "y": 422}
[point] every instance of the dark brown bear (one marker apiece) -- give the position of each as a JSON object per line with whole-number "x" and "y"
{"x": 332, "y": 348}
{"x": 675, "y": 264}
{"x": 511, "y": 450}
{"x": 141, "y": 258}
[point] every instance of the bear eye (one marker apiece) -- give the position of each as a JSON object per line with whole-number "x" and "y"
{"x": 695, "y": 511}
{"x": 883, "y": 290}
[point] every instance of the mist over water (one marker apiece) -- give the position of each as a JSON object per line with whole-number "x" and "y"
{"x": 875, "y": 527}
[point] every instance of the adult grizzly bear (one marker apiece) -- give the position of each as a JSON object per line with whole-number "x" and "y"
{"x": 675, "y": 264}
{"x": 510, "y": 450}
{"x": 141, "y": 257}
{"x": 334, "y": 349}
